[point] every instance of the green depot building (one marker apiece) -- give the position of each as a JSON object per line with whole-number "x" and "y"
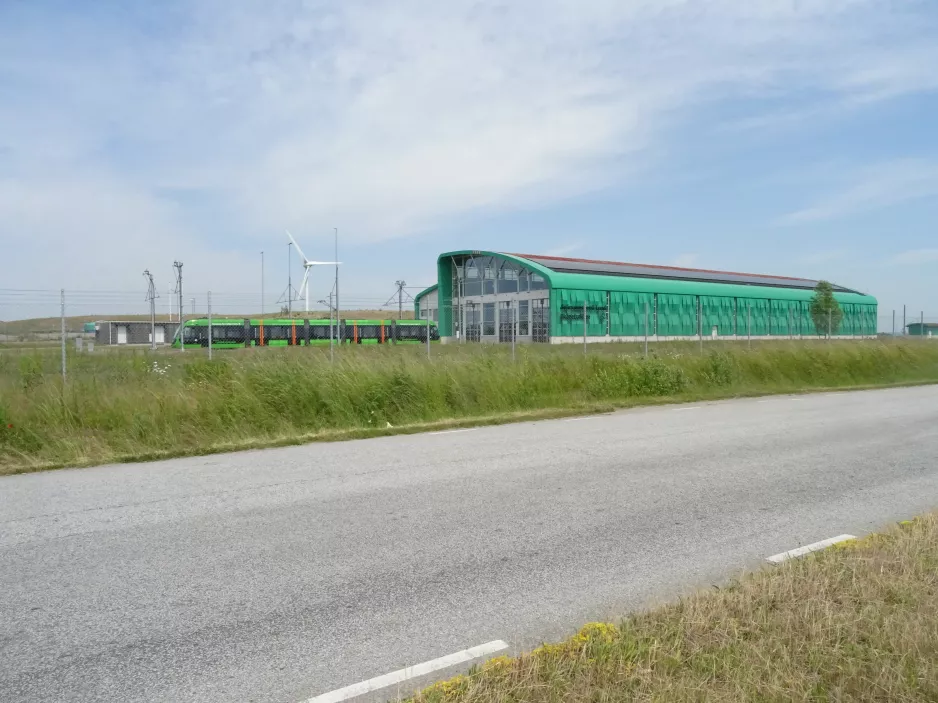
{"x": 486, "y": 296}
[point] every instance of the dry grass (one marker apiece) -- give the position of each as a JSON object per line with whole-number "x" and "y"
{"x": 855, "y": 623}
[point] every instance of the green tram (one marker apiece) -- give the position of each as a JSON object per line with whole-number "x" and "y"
{"x": 230, "y": 333}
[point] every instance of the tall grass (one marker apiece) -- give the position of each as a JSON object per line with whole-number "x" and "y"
{"x": 130, "y": 405}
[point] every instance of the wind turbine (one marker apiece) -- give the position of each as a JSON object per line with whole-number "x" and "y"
{"x": 307, "y": 265}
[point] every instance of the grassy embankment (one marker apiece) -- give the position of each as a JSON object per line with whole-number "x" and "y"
{"x": 854, "y": 623}
{"x": 133, "y": 405}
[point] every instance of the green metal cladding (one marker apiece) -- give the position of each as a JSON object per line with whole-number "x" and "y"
{"x": 731, "y": 308}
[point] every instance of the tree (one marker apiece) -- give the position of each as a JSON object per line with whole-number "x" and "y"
{"x": 825, "y": 310}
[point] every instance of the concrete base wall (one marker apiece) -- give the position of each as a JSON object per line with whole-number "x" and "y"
{"x": 641, "y": 339}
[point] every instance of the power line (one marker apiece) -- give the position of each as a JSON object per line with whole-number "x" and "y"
{"x": 151, "y": 297}
{"x": 177, "y": 265}
{"x": 400, "y": 293}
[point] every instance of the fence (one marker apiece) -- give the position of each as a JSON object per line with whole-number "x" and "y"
{"x": 651, "y": 319}
{"x": 65, "y": 323}
{"x": 61, "y": 324}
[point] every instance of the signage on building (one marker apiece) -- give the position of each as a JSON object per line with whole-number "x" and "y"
{"x": 569, "y": 313}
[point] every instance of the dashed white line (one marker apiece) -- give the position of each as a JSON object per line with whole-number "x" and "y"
{"x": 578, "y": 419}
{"x": 807, "y": 549}
{"x": 410, "y": 672}
{"x": 693, "y": 407}
{"x": 466, "y": 429}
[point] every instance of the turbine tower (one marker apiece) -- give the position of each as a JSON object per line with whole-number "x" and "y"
{"x": 307, "y": 265}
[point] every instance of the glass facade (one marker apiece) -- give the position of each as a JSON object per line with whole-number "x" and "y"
{"x": 498, "y": 298}
{"x": 490, "y": 294}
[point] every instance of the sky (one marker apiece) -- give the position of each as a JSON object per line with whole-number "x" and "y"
{"x": 792, "y": 137}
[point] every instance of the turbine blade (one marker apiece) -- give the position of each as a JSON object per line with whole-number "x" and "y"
{"x": 322, "y": 263}
{"x": 296, "y": 245}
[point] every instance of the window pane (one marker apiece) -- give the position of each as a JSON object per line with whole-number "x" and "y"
{"x": 507, "y": 285}
{"x": 488, "y": 318}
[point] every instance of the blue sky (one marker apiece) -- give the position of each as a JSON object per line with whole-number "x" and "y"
{"x": 778, "y": 136}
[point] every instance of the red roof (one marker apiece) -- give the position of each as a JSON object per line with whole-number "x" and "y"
{"x": 658, "y": 268}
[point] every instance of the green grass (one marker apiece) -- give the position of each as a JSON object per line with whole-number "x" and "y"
{"x": 856, "y": 623}
{"x": 126, "y": 405}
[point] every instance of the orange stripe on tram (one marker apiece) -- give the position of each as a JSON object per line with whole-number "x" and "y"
{"x": 294, "y": 333}
{"x": 262, "y": 334}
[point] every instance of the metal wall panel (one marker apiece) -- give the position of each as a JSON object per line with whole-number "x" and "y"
{"x": 719, "y": 312}
{"x": 567, "y": 313}
{"x": 677, "y": 315}
{"x": 628, "y": 314}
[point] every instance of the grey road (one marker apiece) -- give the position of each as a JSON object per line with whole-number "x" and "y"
{"x": 279, "y": 575}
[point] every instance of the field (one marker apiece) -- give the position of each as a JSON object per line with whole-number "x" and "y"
{"x": 857, "y": 623}
{"x": 126, "y": 405}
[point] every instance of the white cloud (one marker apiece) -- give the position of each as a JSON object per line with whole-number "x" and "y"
{"x": 386, "y": 118}
{"x": 872, "y": 188}
{"x": 564, "y": 250}
{"x": 823, "y": 257}
{"x": 685, "y": 261}
{"x": 916, "y": 257}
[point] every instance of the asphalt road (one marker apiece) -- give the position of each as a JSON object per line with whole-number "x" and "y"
{"x": 278, "y": 575}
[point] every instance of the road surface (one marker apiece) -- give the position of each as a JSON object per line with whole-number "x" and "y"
{"x": 283, "y": 574}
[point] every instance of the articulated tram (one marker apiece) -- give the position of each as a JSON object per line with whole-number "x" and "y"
{"x": 230, "y": 333}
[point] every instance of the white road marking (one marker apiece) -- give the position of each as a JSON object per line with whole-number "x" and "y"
{"x": 807, "y": 549}
{"x": 693, "y": 407}
{"x": 466, "y": 429}
{"x": 410, "y": 672}
{"x": 578, "y": 419}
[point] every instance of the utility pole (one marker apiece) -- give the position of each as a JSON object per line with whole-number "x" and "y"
{"x": 646, "y": 329}
{"x": 210, "y": 325}
{"x": 151, "y": 296}
{"x": 331, "y": 333}
{"x": 192, "y": 300}
{"x": 399, "y": 294}
{"x": 178, "y": 266}
{"x": 749, "y": 323}
{"x": 514, "y": 329}
{"x": 262, "y": 284}
{"x": 584, "y": 328}
{"x": 905, "y": 329}
{"x": 289, "y": 279}
{"x": 337, "y": 306}
{"x": 893, "y": 323}
{"x": 700, "y": 323}
{"x": 63, "y": 339}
